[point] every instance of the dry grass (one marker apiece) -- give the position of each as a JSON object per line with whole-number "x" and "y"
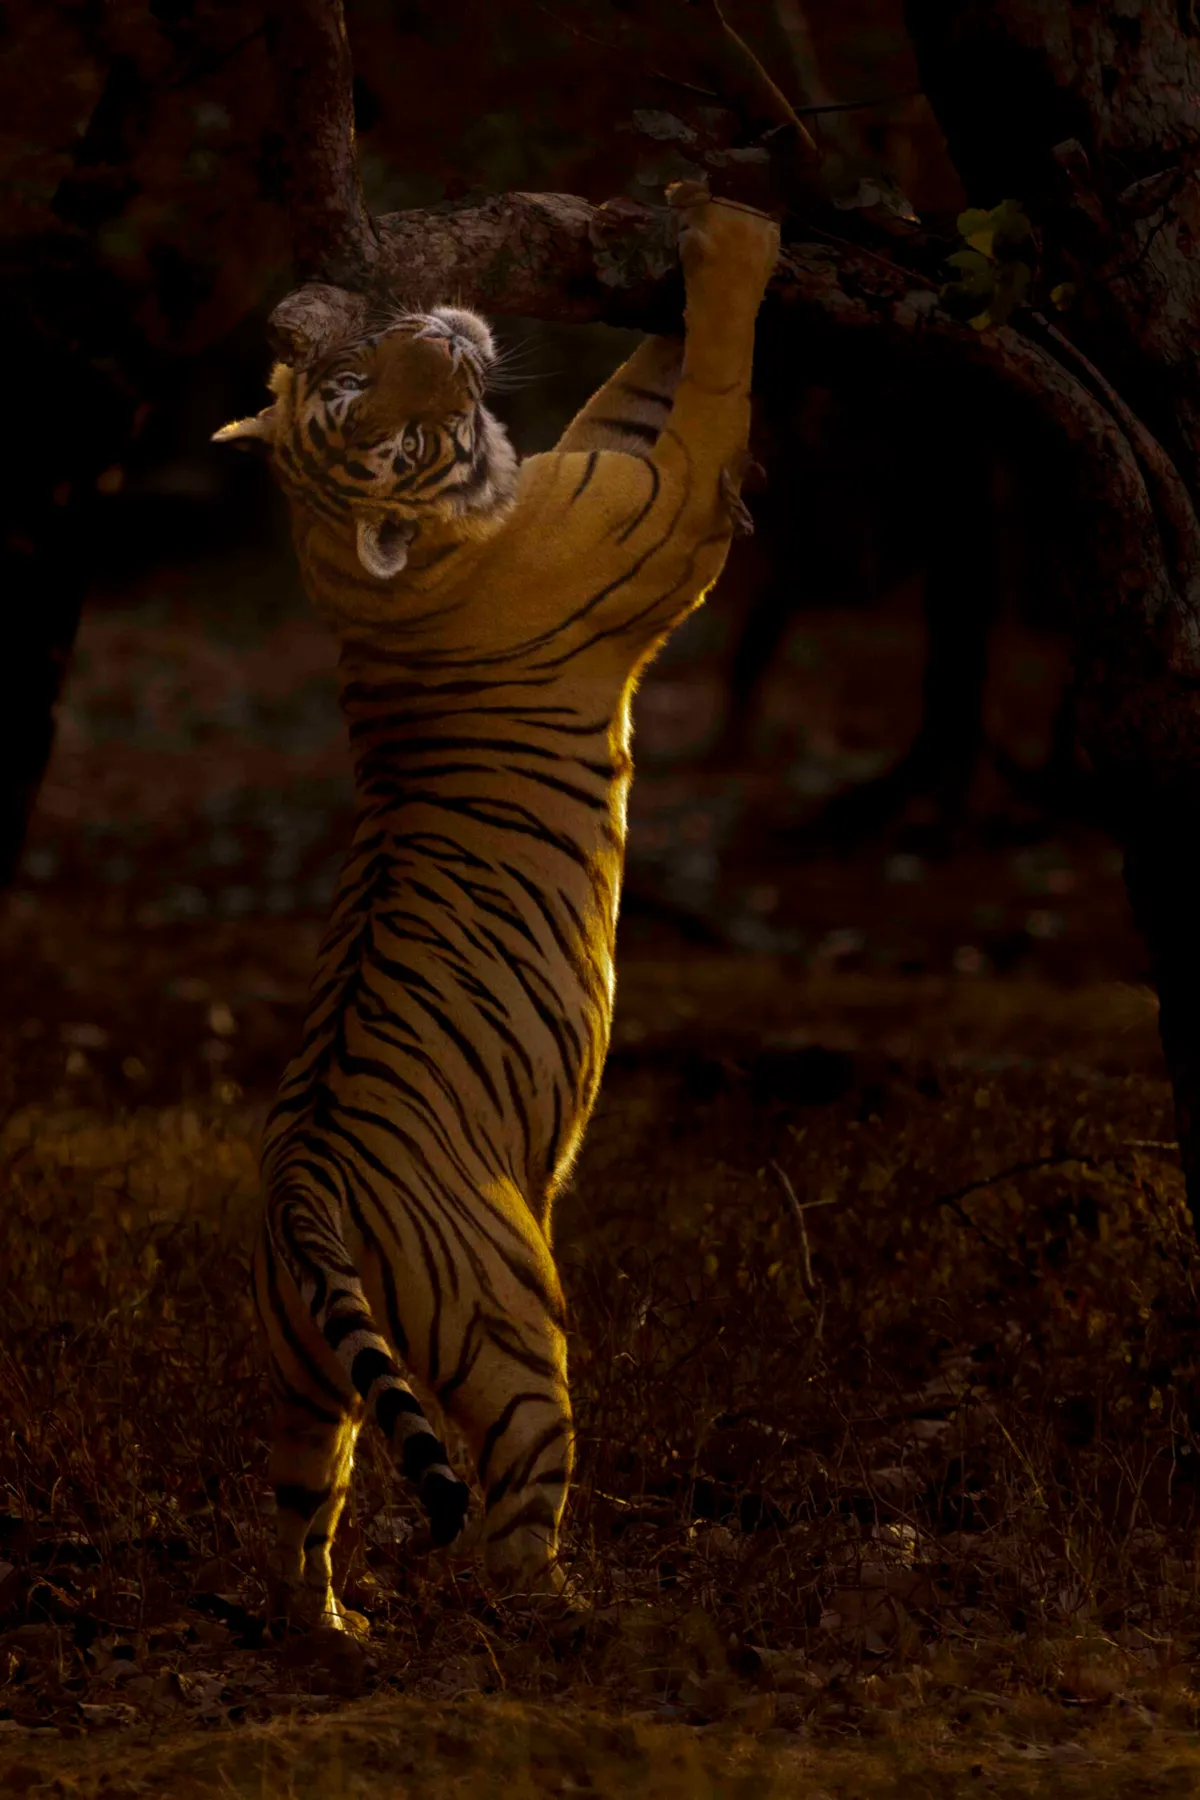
{"x": 887, "y": 1484}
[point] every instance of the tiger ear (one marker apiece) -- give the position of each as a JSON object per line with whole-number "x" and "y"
{"x": 383, "y": 548}
{"x": 261, "y": 426}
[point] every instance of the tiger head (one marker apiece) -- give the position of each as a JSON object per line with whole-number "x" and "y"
{"x": 387, "y": 430}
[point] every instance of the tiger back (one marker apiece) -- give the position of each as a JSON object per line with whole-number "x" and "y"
{"x": 493, "y": 620}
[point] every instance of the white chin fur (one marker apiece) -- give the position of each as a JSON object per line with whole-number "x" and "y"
{"x": 383, "y": 548}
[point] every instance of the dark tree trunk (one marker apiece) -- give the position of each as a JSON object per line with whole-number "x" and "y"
{"x": 42, "y": 580}
{"x": 72, "y": 382}
{"x": 1088, "y": 116}
{"x": 71, "y": 326}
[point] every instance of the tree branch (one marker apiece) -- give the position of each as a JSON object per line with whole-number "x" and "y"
{"x": 333, "y": 237}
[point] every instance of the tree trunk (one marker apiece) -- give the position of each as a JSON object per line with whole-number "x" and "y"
{"x": 1088, "y": 116}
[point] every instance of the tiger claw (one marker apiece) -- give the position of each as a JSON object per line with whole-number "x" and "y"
{"x": 739, "y": 513}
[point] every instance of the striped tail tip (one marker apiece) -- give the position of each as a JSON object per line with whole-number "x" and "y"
{"x": 445, "y": 1499}
{"x": 424, "y": 1463}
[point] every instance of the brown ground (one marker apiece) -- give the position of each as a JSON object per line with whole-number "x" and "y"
{"x": 881, "y": 1282}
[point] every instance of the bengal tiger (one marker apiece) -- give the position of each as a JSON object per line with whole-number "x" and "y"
{"x": 494, "y": 617}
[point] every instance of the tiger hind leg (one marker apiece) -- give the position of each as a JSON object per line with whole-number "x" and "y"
{"x": 312, "y": 1455}
{"x": 515, "y": 1413}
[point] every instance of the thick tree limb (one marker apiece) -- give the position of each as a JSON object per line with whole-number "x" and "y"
{"x": 332, "y": 233}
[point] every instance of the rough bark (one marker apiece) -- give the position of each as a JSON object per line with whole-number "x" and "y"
{"x": 333, "y": 238}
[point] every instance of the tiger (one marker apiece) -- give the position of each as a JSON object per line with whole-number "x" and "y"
{"x": 493, "y": 616}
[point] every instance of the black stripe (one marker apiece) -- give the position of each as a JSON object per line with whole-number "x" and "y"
{"x": 589, "y": 471}
{"x": 537, "y": 1511}
{"x": 446, "y": 1500}
{"x": 291, "y": 1397}
{"x": 553, "y": 1017}
{"x": 499, "y": 1426}
{"x": 502, "y": 815}
{"x": 637, "y": 428}
{"x": 645, "y": 393}
{"x": 394, "y": 1404}
{"x": 399, "y": 1337}
{"x": 468, "y": 1356}
{"x": 368, "y": 1366}
{"x": 647, "y": 505}
{"x": 522, "y": 1112}
{"x": 283, "y": 1323}
{"x": 571, "y": 952}
{"x": 344, "y": 1325}
{"x": 515, "y": 1351}
{"x": 558, "y": 1428}
{"x": 466, "y": 1049}
{"x": 422, "y": 1451}
{"x": 555, "y": 1128}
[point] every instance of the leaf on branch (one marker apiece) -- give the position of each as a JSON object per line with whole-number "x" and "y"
{"x": 970, "y": 296}
{"x": 1012, "y": 287}
{"x": 663, "y": 127}
{"x": 976, "y": 268}
{"x": 750, "y": 154}
{"x": 1002, "y": 231}
{"x": 973, "y": 221}
{"x": 878, "y": 198}
{"x": 996, "y": 266}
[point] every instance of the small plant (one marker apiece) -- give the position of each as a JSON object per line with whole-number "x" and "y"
{"x": 996, "y": 267}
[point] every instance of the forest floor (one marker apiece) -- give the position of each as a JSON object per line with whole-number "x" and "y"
{"x": 882, "y": 1286}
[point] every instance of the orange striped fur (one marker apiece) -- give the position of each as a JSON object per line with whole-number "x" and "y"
{"x": 494, "y": 620}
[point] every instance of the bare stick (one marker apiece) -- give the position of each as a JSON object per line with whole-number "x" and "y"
{"x": 798, "y": 1212}
{"x": 333, "y": 238}
{"x": 743, "y": 83}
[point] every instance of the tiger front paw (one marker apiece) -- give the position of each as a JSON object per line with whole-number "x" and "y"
{"x": 726, "y": 249}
